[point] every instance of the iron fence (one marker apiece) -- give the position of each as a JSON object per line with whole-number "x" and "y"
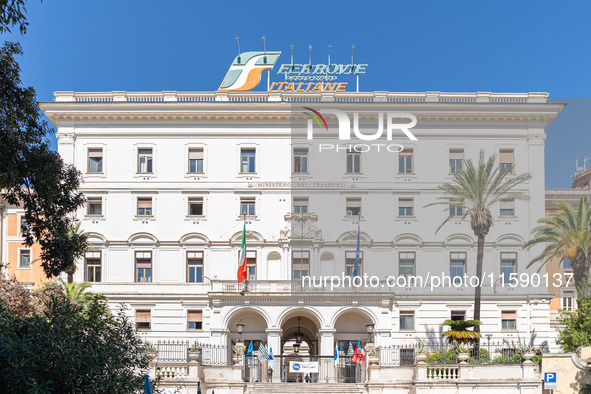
{"x": 178, "y": 352}
{"x": 443, "y": 353}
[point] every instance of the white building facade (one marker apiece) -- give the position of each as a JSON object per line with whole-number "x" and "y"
{"x": 171, "y": 178}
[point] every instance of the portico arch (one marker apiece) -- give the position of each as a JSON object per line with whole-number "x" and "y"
{"x": 255, "y": 322}
{"x": 303, "y": 324}
{"x": 350, "y": 326}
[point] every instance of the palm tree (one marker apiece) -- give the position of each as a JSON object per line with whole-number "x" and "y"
{"x": 475, "y": 190}
{"x": 76, "y": 291}
{"x": 567, "y": 234}
{"x": 459, "y": 331}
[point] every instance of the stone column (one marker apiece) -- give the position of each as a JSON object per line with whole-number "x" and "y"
{"x": 274, "y": 342}
{"x": 326, "y": 347}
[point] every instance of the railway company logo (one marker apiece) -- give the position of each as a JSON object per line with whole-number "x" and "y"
{"x": 245, "y": 71}
{"x": 318, "y": 118}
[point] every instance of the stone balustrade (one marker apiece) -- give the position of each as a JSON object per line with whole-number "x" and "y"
{"x": 353, "y": 97}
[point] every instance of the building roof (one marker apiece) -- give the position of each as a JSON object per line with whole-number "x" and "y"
{"x": 571, "y": 196}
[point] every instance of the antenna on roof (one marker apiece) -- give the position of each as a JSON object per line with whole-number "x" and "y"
{"x": 238, "y": 42}
{"x": 352, "y": 63}
{"x": 329, "y": 49}
{"x": 265, "y": 52}
{"x": 291, "y": 47}
{"x": 310, "y": 49}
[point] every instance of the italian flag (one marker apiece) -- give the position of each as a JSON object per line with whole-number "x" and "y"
{"x": 242, "y": 261}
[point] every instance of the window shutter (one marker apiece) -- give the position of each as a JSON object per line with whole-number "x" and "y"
{"x": 405, "y": 202}
{"x": 95, "y": 152}
{"x": 353, "y": 203}
{"x": 142, "y": 316}
{"x": 406, "y": 152}
{"x": 144, "y": 203}
{"x": 506, "y": 156}
{"x": 456, "y": 154}
{"x": 507, "y": 204}
{"x": 195, "y": 153}
{"x": 195, "y": 316}
{"x": 195, "y": 255}
{"x": 508, "y": 315}
{"x": 351, "y": 255}
{"x": 458, "y": 256}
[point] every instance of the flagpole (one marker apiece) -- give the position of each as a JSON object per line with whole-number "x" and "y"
{"x": 245, "y": 288}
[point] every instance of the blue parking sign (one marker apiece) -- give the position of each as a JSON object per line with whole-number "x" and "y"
{"x": 550, "y": 377}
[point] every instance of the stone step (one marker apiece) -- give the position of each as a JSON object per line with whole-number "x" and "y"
{"x": 296, "y": 388}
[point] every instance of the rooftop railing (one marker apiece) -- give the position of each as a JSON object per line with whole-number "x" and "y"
{"x": 344, "y": 97}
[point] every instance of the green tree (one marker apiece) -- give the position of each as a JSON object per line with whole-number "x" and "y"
{"x": 576, "y": 327}
{"x": 475, "y": 189}
{"x": 33, "y": 175}
{"x": 76, "y": 291}
{"x": 66, "y": 347}
{"x": 12, "y": 12}
{"x": 567, "y": 234}
{"x": 459, "y": 331}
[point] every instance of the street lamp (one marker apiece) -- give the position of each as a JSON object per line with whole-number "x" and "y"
{"x": 299, "y": 335}
{"x": 296, "y": 348}
{"x": 488, "y": 337}
{"x": 240, "y": 328}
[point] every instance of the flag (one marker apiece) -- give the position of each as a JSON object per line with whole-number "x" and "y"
{"x": 242, "y": 262}
{"x": 271, "y": 358}
{"x": 358, "y": 357}
{"x": 350, "y": 350}
{"x": 249, "y": 351}
{"x": 356, "y": 268}
{"x": 147, "y": 387}
{"x": 336, "y": 355}
{"x": 263, "y": 354}
{"x": 198, "y": 387}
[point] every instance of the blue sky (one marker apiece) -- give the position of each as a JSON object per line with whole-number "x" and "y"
{"x": 500, "y": 46}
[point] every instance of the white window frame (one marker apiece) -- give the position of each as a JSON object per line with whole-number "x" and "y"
{"x": 195, "y": 174}
{"x": 137, "y": 147}
{"x": 18, "y": 262}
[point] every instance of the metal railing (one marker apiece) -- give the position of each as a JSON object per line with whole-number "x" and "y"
{"x": 178, "y": 352}
{"x": 444, "y": 354}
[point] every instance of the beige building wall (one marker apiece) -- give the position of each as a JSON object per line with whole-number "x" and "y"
{"x": 13, "y": 248}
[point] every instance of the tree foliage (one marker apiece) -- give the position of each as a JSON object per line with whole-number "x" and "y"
{"x": 576, "y": 327}
{"x": 475, "y": 189}
{"x": 70, "y": 347}
{"x": 12, "y": 13}
{"x": 567, "y": 234}
{"x": 459, "y": 331}
{"x": 33, "y": 175}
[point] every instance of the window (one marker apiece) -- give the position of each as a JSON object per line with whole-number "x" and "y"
{"x": 195, "y": 206}
{"x": 508, "y": 320}
{"x": 458, "y": 262}
{"x": 455, "y": 210}
{"x": 300, "y": 264}
{"x": 25, "y": 258}
{"x": 405, "y": 207}
{"x": 143, "y": 319}
{"x": 196, "y": 160}
{"x": 24, "y": 225}
{"x": 406, "y": 265}
{"x": 300, "y": 160}
{"x": 353, "y": 162}
{"x": 507, "y": 208}
{"x": 458, "y": 315}
{"x": 300, "y": 205}
{"x": 95, "y": 160}
{"x": 145, "y": 160}
{"x": 251, "y": 265}
{"x": 506, "y": 160}
{"x": 568, "y": 298}
{"x": 407, "y": 320}
{"x": 143, "y": 267}
{"x": 405, "y": 162}
{"x": 247, "y": 161}
{"x": 508, "y": 262}
{"x": 566, "y": 264}
{"x": 144, "y": 206}
{"x": 95, "y": 206}
{"x": 92, "y": 262}
{"x": 195, "y": 320}
{"x": 456, "y": 158}
{"x": 195, "y": 267}
{"x": 350, "y": 263}
{"x": 247, "y": 205}
{"x": 353, "y": 206}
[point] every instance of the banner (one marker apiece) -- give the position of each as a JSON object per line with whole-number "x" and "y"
{"x": 303, "y": 366}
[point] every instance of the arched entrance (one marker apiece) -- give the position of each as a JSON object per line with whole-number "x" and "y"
{"x": 300, "y": 336}
{"x": 254, "y": 328}
{"x": 351, "y": 330}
